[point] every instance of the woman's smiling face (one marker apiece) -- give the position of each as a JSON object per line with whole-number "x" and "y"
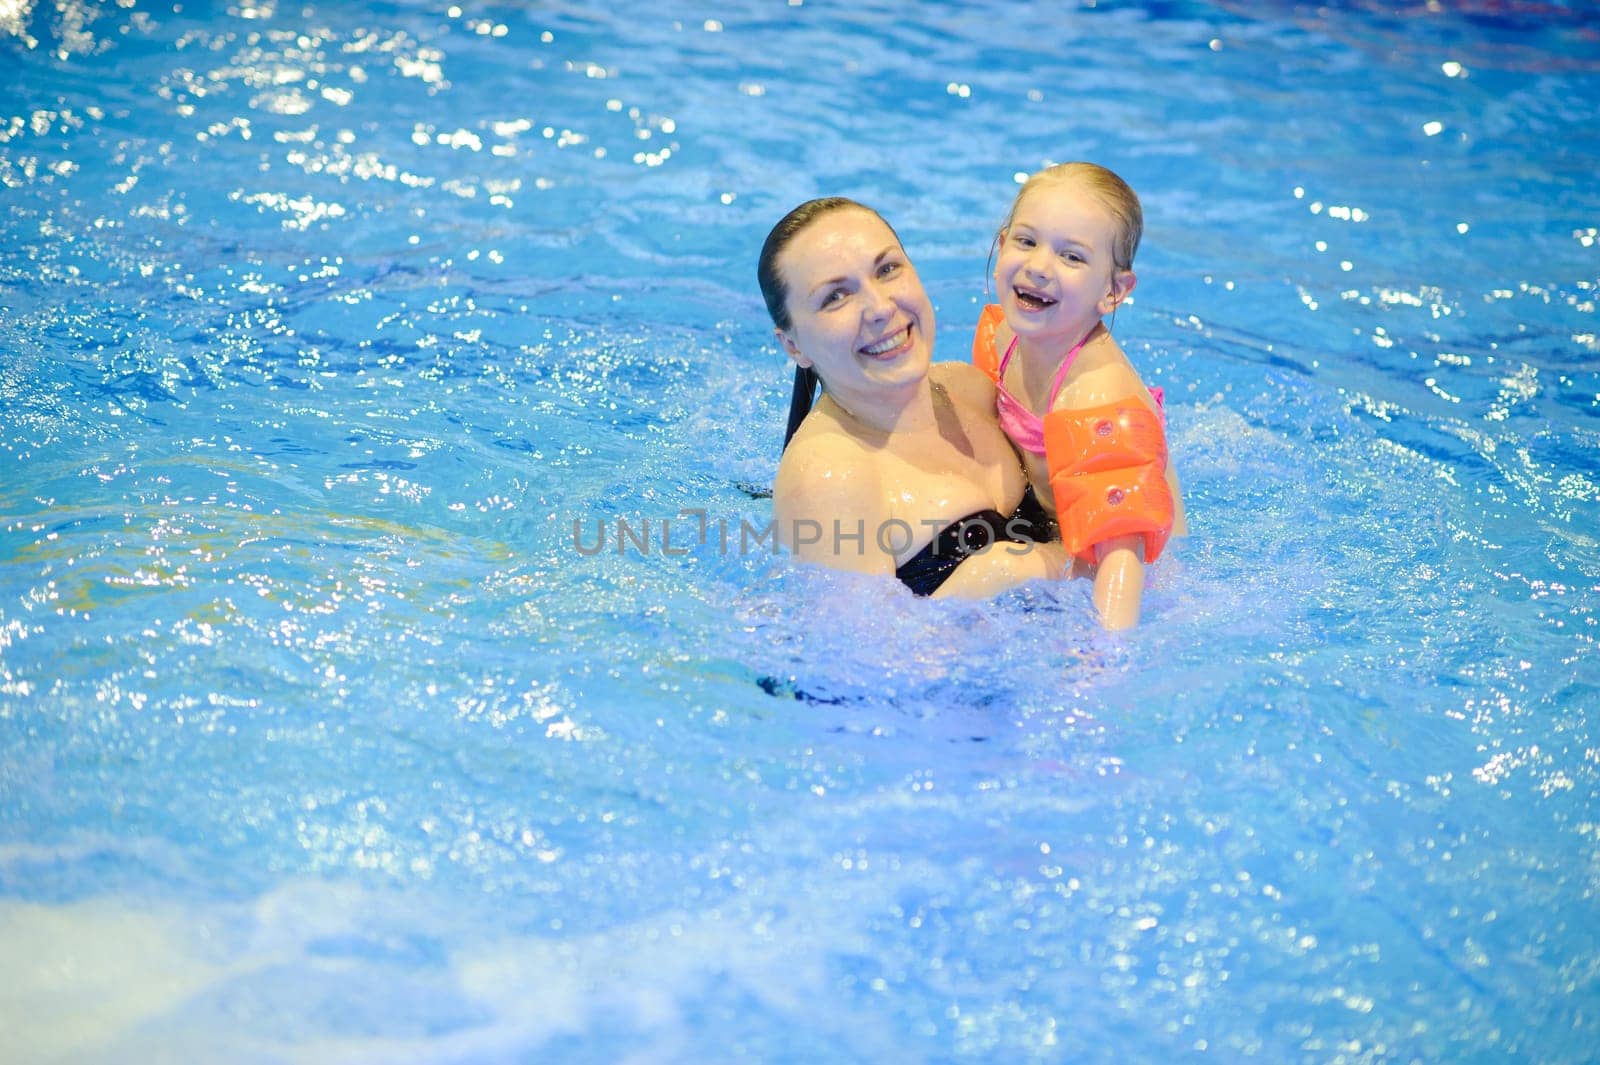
{"x": 858, "y": 312}
{"x": 1055, "y": 273}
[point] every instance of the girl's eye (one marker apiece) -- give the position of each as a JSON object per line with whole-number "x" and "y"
{"x": 1024, "y": 242}
{"x": 1072, "y": 257}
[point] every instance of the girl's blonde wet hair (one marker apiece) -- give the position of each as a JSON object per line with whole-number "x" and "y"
{"x": 1112, "y": 192}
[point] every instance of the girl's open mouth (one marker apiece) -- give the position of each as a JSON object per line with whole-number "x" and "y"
{"x": 1032, "y": 301}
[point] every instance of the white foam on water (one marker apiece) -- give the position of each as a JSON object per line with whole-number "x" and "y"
{"x": 114, "y": 980}
{"x": 80, "y": 977}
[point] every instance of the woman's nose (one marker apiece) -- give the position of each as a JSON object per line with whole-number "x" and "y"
{"x": 880, "y": 301}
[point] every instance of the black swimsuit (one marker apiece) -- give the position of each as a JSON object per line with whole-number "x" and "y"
{"x": 925, "y": 571}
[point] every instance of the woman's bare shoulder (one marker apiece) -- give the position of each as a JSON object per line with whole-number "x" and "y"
{"x": 828, "y": 482}
{"x": 964, "y": 382}
{"x": 823, "y": 469}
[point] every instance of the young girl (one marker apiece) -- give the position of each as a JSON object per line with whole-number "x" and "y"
{"x": 1090, "y": 434}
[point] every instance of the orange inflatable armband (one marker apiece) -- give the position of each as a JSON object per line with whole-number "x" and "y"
{"x": 984, "y": 357}
{"x": 1108, "y": 470}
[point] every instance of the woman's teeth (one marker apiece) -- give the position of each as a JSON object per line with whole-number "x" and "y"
{"x": 890, "y": 344}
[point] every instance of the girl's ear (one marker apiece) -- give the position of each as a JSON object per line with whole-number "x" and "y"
{"x": 791, "y": 349}
{"x": 1122, "y": 283}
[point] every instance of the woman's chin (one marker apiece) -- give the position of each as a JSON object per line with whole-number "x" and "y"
{"x": 906, "y": 368}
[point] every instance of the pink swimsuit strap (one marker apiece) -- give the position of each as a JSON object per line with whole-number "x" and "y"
{"x": 1025, "y": 428}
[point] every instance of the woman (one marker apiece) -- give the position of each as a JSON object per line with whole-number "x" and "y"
{"x": 900, "y": 468}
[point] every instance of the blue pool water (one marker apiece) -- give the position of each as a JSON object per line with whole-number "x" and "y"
{"x": 333, "y": 336}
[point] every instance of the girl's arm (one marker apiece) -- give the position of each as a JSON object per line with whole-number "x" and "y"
{"x": 1111, "y": 381}
{"x": 1119, "y": 566}
{"x": 1119, "y": 581}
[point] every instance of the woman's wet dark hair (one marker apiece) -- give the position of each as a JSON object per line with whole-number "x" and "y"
{"x": 776, "y": 293}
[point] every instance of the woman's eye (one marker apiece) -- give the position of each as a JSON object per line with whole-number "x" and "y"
{"x": 888, "y": 269}
{"x": 834, "y": 296}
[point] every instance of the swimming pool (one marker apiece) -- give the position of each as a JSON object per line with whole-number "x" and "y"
{"x": 335, "y": 337}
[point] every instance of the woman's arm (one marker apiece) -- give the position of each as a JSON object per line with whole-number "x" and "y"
{"x": 1005, "y": 565}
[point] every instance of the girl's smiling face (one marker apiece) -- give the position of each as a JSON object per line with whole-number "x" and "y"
{"x": 858, "y": 312}
{"x": 1056, "y": 274}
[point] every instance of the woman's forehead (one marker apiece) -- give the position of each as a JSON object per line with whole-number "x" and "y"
{"x": 840, "y": 236}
